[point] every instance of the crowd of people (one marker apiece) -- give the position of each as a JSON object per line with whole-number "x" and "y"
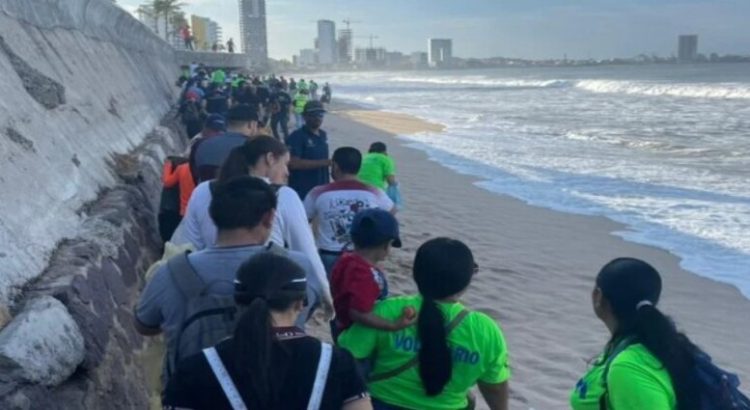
{"x": 269, "y": 240}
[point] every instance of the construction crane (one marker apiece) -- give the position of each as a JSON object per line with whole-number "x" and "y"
{"x": 371, "y": 37}
{"x": 349, "y": 22}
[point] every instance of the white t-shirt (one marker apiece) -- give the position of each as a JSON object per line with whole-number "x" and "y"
{"x": 291, "y": 228}
{"x": 335, "y": 205}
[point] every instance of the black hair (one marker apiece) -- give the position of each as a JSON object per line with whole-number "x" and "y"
{"x": 348, "y": 159}
{"x": 247, "y": 155}
{"x": 378, "y": 147}
{"x": 241, "y": 202}
{"x": 264, "y": 284}
{"x": 443, "y": 267}
{"x": 633, "y": 287}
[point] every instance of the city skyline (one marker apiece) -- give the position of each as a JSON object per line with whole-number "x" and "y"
{"x": 533, "y": 29}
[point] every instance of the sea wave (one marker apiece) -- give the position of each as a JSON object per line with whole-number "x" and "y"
{"x": 484, "y": 82}
{"x": 693, "y": 90}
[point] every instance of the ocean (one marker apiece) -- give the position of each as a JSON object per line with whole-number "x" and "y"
{"x": 664, "y": 150}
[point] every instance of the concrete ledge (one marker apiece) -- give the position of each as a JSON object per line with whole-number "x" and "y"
{"x": 213, "y": 60}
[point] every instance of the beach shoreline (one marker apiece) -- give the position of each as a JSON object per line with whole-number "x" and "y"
{"x": 537, "y": 265}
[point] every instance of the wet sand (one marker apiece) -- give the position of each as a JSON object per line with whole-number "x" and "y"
{"x": 537, "y": 266}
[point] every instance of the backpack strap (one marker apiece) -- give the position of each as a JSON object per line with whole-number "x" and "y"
{"x": 321, "y": 376}
{"x": 184, "y": 276}
{"x": 224, "y": 379}
{"x": 415, "y": 361}
{"x": 620, "y": 347}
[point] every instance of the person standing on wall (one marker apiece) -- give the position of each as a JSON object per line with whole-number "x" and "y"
{"x": 308, "y": 147}
{"x": 230, "y": 45}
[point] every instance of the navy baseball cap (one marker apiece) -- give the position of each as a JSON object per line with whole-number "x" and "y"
{"x": 314, "y": 107}
{"x": 216, "y": 122}
{"x": 372, "y": 227}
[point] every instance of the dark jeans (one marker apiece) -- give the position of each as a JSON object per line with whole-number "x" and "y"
{"x": 283, "y": 120}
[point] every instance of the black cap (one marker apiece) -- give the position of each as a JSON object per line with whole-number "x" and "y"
{"x": 372, "y": 227}
{"x": 242, "y": 112}
{"x": 314, "y": 107}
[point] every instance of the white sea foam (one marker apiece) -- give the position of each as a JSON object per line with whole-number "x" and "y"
{"x": 667, "y": 158}
{"x": 720, "y": 90}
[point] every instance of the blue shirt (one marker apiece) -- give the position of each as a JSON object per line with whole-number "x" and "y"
{"x": 303, "y": 144}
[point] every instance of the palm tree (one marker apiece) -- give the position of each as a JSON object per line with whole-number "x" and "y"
{"x": 147, "y": 10}
{"x": 166, "y": 8}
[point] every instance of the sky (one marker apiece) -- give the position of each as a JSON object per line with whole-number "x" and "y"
{"x": 534, "y": 29}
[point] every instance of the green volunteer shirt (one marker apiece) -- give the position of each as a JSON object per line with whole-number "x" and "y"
{"x": 478, "y": 346}
{"x": 637, "y": 380}
{"x": 376, "y": 167}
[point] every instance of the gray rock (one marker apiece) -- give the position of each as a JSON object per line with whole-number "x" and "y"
{"x": 42, "y": 344}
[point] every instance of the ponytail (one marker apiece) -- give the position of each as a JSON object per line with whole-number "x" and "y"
{"x": 632, "y": 288}
{"x": 674, "y": 350}
{"x": 234, "y": 166}
{"x": 435, "y": 362}
{"x": 265, "y": 283}
{"x": 252, "y": 345}
{"x": 443, "y": 268}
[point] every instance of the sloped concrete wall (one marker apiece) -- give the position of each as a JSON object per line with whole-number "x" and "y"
{"x": 80, "y": 80}
{"x": 85, "y": 122}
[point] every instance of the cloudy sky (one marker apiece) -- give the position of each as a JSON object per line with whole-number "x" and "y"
{"x": 511, "y": 28}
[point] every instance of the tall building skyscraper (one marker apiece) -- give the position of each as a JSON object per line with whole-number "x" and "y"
{"x": 326, "y": 44}
{"x": 687, "y": 49}
{"x": 440, "y": 52}
{"x": 345, "y": 45}
{"x": 206, "y": 32}
{"x": 253, "y": 31}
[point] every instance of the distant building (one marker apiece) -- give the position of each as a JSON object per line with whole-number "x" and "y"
{"x": 345, "y": 45}
{"x": 307, "y": 58}
{"x": 687, "y": 49}
{"x": 253, "y": 31}
{"x": 206, "y": 32}
{"x": 370, "y": 57}
{"x": 418, "y": 60}
{"x": 440, "y": 52}
{"x": 326, "y": 43}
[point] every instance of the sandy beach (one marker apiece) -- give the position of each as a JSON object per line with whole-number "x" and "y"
{"x": 537, "y": 266}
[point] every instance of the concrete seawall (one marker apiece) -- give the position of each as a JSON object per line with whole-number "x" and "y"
{"x": 85, "y": 90}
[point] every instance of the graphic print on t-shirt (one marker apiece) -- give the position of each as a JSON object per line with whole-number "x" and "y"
{"x": 339, "y": 216}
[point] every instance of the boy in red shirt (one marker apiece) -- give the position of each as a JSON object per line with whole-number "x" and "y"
{"x": 356, "y": 283}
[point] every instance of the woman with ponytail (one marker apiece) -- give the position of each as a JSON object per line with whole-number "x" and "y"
{"x": 269, "y": 363}
{"x": 434, "y": 363}
{"x": 647, "y": 363}
{"x": 266, "y": 158}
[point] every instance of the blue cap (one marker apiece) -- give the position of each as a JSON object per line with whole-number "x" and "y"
{"x": 372, "y": 227}
{"x": 216, "y": 122}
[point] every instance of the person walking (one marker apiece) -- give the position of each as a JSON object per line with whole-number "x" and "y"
{"x": 435, "y": 363}
{"x": 280, "y": 105}
{"x": 269, "y": 363}
{"x": 334, "y": 206}
{"x": 308, "y": 147}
